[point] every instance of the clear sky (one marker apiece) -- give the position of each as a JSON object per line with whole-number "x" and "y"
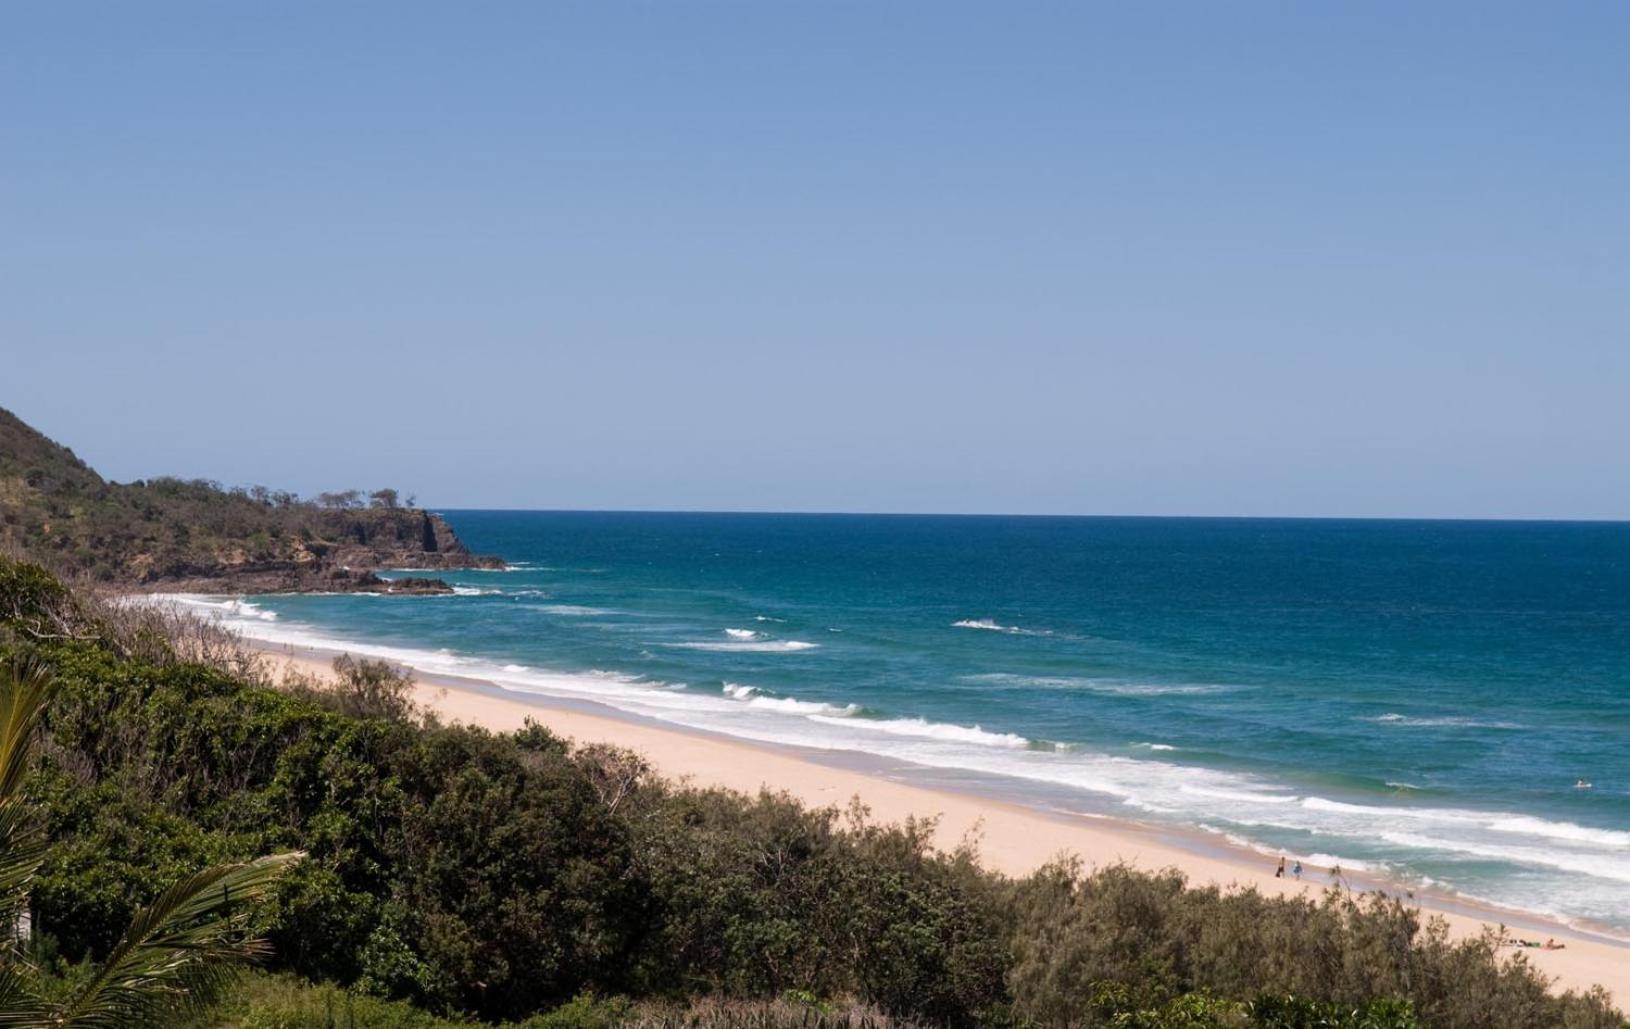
{"x": 1209, "y": 258}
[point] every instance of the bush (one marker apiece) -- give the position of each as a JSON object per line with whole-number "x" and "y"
{"x": 361, "y": 689}
{"x": 1150, "y": 940}
{"x": 584, "y": 1012}
{"x": 762, "y": 897}
{"x": 285, "y": 1002}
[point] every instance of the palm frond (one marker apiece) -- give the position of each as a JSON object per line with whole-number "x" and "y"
{"x": 181, "y": 951}
{"x": 19, "y": 1007}
{"x": 25, "y": 690}
{"x": 23, "y": 845}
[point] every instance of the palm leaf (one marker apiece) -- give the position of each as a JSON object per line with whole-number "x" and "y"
{"x": 23, "y": 845}
{"x": 181, "y": 951}
{"x": 25, "y": 690}
{"x": 19, "y": 1006}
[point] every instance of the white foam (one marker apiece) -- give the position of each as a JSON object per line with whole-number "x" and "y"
{"x": 222, "y": 608}
{"x": 1240, "y": 796}
{"x": 1530, "y": 826}
{"x": 570, "y": 610}
{"x": 1150, "y": 689}
{"x": 991, "y": 625}
{"x": 472, "y": 591}
{"x": 748, "y": 646}
{"x": 1602, "y": 866}
{"x": 1117, "y": 687}
{"x": 742, "y": 634}
{"x": 252, "y": 610}
{"x": 793, "y": 706}
{"x": 754, "y": 697}
{"x": 939, "y": 731}
{"x": 1337, "y": 861}
{"x": 1155, "y": 746}
{"x": 979, "y": 623}
{"x": 1450, "y": 722}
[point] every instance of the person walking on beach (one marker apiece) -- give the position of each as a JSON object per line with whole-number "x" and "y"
{"x": 1296, "y": 870}
{"x": 1279, "y": 873}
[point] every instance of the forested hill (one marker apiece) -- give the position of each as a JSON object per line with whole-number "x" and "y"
{"x": 194, "y": 534}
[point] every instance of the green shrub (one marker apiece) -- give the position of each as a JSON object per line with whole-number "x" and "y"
{"x": 584, "y": 1011}
{"x": 285, "y": 1002}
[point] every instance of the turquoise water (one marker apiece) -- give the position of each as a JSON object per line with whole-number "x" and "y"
{"x": 1418, "y": 698}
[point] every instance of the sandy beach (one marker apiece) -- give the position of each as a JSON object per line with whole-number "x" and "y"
{"x": 1010, "y": 838}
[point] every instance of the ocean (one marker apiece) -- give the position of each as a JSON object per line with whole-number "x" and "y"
{"x": 1414, "y": 698}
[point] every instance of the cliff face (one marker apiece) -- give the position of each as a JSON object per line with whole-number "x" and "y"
{"x": 400, "y": 538}
{"x": 175, "y": 534}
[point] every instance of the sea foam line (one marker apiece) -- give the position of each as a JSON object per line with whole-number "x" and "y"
{"x": 1447, "y": 721}
{"x": 746, "y": 646}
{"x": 991, "y": 625}
{"x": 569, "y": 610}
{"x": 1115, "y": 687}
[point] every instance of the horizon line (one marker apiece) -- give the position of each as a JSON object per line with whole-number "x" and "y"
{"x": 1486, "y": 519}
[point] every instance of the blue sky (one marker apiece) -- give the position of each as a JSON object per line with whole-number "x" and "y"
{"x": 1252, "y": 258}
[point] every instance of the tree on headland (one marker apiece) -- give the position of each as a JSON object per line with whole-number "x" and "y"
{"x": 383, "y": 498}
{"x": 341, "y": 500}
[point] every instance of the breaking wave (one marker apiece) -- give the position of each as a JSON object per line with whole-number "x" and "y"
{"x": 990, "y": 625}
{"x": 746, "y": 646}
{"x": 1115, "y": 687}
{"x": 925, "y": 729}
{"x": 571, "y": 610}
{"x": 1447, "y": 722}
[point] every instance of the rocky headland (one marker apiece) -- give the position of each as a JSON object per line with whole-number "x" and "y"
{"x": 193, "y": 535}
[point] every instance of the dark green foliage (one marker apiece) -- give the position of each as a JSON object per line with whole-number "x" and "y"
{"x": 287, "y": 1002}
{"x": 1144, "y": 941}
{"x": 448, "y": 865}
{"x": 1272, "y": 1012}
{"x": 764, "y": 896}
{"x": 1112, "y": 1006}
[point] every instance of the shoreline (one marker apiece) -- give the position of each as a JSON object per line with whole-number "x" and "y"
{"x": 1011, "y": 837}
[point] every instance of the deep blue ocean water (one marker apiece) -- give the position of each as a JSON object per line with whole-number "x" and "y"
{"x": 1419, "y": 698}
